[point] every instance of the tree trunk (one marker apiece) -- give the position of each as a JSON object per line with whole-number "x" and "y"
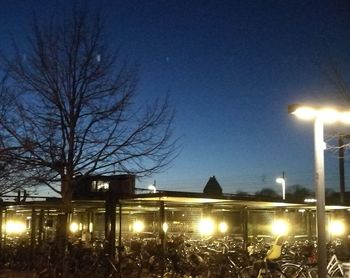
{"x": 110, "y": 217}
{"x": 62, "y": 229}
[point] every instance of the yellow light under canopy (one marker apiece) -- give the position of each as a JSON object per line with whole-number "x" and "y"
{"x": 337, "y": 228}
{"x": 15, "y": 227}
{"x": 206, "y": 226}
{"x": 74, "y": 227}
{"x": 165, "y": 227}
{"x": 223, "y": 227}
{"x": 280, "y": 227}
{"x": 138, "y": 226}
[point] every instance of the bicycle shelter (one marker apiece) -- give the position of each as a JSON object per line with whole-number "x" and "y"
{"x": 161, "y": 215}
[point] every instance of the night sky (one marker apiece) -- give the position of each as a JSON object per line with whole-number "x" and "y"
{"x": 231, "y": 68}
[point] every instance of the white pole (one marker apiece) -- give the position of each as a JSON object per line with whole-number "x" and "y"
{"x": 282, "y": 181}
{"x": 320, "y": 197}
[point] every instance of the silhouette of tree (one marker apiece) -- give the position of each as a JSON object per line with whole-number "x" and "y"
{"x": 298, "y": 193}
{"x": 241, "y": 193}
{"x": 267, "y": 193}
{"x": 11, "y": 177}
{"x": 72, "y": 110}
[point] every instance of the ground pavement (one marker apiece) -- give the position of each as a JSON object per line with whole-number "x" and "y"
{"x": 6, "y": 273}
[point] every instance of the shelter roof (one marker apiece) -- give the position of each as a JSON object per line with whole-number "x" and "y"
{"x": 174, "y": 199}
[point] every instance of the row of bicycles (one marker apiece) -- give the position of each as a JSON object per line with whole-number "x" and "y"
{"x": 142, "y": 256}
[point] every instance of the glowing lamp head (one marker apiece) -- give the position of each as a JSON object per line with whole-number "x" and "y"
{"x": 206, "y": 226}
{"x": 280, "y": 227}
{"x": 223, "y": 227}
{"x": 310, "y": 200}
{"x": 326, "y": 114}
{"x": 91, "y": 227}
{"x": 280, "y": 180}
{"x": 138, "y": 227}
{"x": 165, "y": 227}
{"x": 345, "y": 117}
{"x": 305, "y": 113}
{"x": 337, "y": 228}
{"x": 74, "y": 227}
{"x": 15, "y": 227}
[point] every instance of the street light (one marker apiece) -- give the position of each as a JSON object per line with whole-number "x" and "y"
{"x": 320, "y": 116}
{"x": 282, "y": 181}
{"x": 152, "y": 188}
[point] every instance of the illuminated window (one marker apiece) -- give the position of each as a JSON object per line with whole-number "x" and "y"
{"x": 99, "y": 186}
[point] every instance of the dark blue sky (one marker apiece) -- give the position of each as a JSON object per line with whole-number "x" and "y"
{"x": 232, "y": 68}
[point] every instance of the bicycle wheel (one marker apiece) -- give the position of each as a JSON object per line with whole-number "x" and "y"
{"x": 160, "y": 267}
{"x": 130, "y": 267}
{"x": 292, "y": 270}
{"x": 101, "y": 269}
{"x": 214, "y": 271}
{"x": 222, "y": 271}
{"x": 336, "y": 273}
{"x": 250, "y": 272}
{"x": 313, "y": 272}
{"x": 246, "y": 272}
{"x": 228, "y": 272}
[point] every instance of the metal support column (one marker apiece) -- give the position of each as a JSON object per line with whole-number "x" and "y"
{"x": 245, "y": 227}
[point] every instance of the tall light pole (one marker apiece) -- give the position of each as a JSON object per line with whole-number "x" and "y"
{"x": 320, "y": 116}
{"x": 152, "y": 187}
{"x": 282, "y": 181}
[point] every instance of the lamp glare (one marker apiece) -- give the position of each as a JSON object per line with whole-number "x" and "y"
{"x": 337, "y": 228}
{"x": 280, "y": 227}
{"x": 206, "y": 226}
{"x": 165, "y": 227}
{"x": 223, "y": 227}
{"x": 15, "y": 227}
{"x": 280, "y": 180}
{"x": 305, "y": 113}
{"x": 74, "y": 227}
{"x": 345, "y": 117}
{"x": 328, "y": 115}
{"x": 138, "y": 226}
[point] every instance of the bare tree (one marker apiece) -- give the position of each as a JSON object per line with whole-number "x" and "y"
{"x": 11, "y": 179}
{"x": 267, "y": 193}
{"x": 72, "y": 109}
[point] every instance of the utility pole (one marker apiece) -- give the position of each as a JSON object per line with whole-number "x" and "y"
{"x": 341, "y": 168}
{"x": 341, "y": 158}
{"x": 284, "y": 186}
